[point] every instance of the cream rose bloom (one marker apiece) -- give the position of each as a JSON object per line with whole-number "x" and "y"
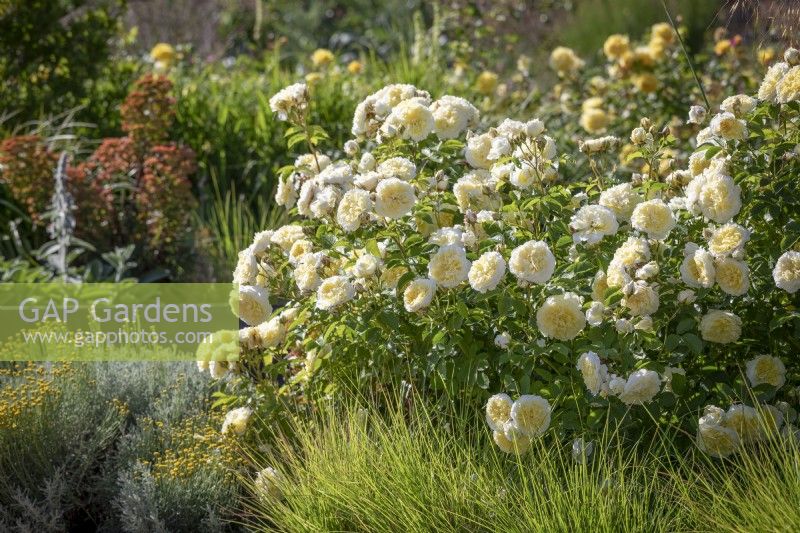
{"x": 727, "y": 239}
{"x": 745, "y": 421}
{"x": 236, "y": 421}
{"x": 564, "y": 60}
{"x": 353, "y": 208}
{"x": 593, "y": 222}
{"x": 366, "y": 266}
{"x": 487, "y": 272}
{"x": 452, "y": 115}
{"x": 449, "y": 266}
{"x": 285, "y": 236}
{"x": 246, "y": 271}
{"x": 633, "y": 252}
{"x": 727, "y": 126}
{"x": 739, "y": 105}
{"x": 722, "y": 327}
{"x": 498, "y": 411}
{"x": 477, "y": 151}
{"x": 641, "y": 298}
{"x": 640, "y": 387}
{"x": 561, "y": 317}
{"x": 267, "y": 484}
{"x": 594, "y": 373}
{"x": 254, "y": 306}
{"x": 697, "y": 269}
{"x": 532, "y": 262}
{"x": 622, "y": 199}
{"x": 531, "y": 415}
{"x": 714, "y": 438}
{"x": 271, "y": 333}
{"x": 410, "y": 119}
{"x": 654, "y": 218}
{"x": 733, "y": 276}
{"x": 519, "y": 444}
{"x": 305, "y": 274}
{"x": 333, "y": 292}
{"x": 299, "y": 250}
{"x": 787, "y": 272}
{"x": 397, "y": 167}
{"x": 419, "y": 294}
{"x": 788, "y": 88}
{"x": 766, "y": 369}
{"x": 395, "y": 198}
{"x": 714, "y": 195}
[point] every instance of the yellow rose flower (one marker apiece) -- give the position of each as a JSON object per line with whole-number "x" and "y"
{"x": 355, "y": 67}
{"x": 486, "y": 82}
{"x": 321, "y": 57}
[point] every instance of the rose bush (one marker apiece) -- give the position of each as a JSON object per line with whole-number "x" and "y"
{"x": 637, "y": 282}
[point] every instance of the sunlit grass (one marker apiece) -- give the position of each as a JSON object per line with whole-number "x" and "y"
{"x": 424, "y": 469}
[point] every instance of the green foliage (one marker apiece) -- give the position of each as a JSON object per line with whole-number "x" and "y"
{"x": 55, "y": 56}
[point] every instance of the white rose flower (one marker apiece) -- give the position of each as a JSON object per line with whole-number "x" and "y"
{"x": 561, "y": 317}
{"x": 766, "y": 369}
{"x": 775, "y": 73}
{"x": 477, "y": 150}
{"x": 787, "y": 272}
{"x": 398, "y": 167}
{"x": 739, "y": 105}
{"x": 487, "y": 272}
{"x": 594, "y": 372}
{"x": 410, "y": 119}
{"x": 697, "y": 269}
{"x": 531, "y": 415}
{"x": 594, "y": 315}
{"x": 449, "y": 266}
{"x": 236, "y": 420}
{"x": 268, "y": 483}
{"x": 452, "y": 115}
{"x": 697, "y": 114}
{"x": 714, "y": 438}
{"x": 254, "y": 306}
{"x": 591, "y": 223}
{"x": 633, "y": 253}
{"x": 419, "y": 294}
{"x": 532, "y": 262}
{"x": 727, "y": 126}
{"x": 733, "y": 276}
{"x": 727, "y": 239}
{"x": 621, "y": 199}
{"x": 271, "y": 333}
{"x": 640, "y": 387}
{"x": 641, "y": 298}
{"x": 289, "y": 99}
{"x": 353, "y": 209}
{"x": 285, "y": 236}
{"x": 654, "y": 218}
{"x": 647, "y": 271}
{"x": 502, "y": 340}
{"x": 722, "y": 327}
{"x": 366, "y": 266}
{"x": 623, "y": 326}
{"x": 246, "y": 270}
{"x": 333, "y": 292}
{"x": 498, "y": 411}
{"x": 305, "y": 274}
{"x": 745, "y": 421}
{"x": 395, "y": 198}
{"x": 686, "y": 296}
